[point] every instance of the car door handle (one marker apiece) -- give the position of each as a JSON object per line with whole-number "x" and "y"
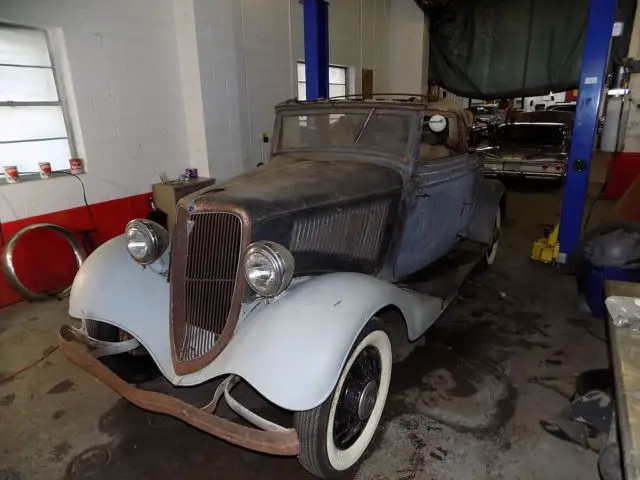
{"x": 422, "y": 195}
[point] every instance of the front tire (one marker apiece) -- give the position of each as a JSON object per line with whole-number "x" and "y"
{"x": 335, "y": 435}
{"x": 491, "y": 253}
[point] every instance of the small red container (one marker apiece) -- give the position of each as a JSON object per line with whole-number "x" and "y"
{"x": 11, "y": 173}
{"x": 77, "y": 166}
{"x": 45, "y": 169}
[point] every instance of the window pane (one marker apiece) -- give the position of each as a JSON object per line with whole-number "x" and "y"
{"x": 301, "y": 72}
{"x": 337, "y": 90}
{"x": 20, "y": 84}
{"x": 302, "y": 91}
{"x": 27, "y": 155}
{"x": 26, "y": 123}
{"x": 337, "y": 75}
{"x": 23, "y": 46}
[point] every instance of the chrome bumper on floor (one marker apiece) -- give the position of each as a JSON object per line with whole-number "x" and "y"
{"x": 272, "y": 438}
{"x": 525, "y": 174}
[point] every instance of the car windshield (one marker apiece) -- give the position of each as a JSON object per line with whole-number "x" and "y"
{"x": 530, "y": 135}
{"x": 484, "y": 110}
{"x": 373, "y": 130}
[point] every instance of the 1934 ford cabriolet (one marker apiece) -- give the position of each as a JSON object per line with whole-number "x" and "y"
{"x": 276, "y": 277}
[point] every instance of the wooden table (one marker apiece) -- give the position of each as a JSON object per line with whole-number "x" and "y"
{"x": 625, "y": 356}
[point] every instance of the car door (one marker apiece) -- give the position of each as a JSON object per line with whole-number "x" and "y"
{"x": 437, "y": 203}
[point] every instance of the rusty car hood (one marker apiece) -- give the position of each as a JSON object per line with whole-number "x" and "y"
{"x": 289, "y": 183}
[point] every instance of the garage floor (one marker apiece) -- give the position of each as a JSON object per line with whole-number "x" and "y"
{"x": 465, "y": 402}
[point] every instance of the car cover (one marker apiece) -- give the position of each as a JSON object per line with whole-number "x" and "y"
{"x": 512, "y": 48}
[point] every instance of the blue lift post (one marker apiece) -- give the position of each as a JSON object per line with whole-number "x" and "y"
{"x": 316, "y": 47}
{"x": 602, "y": 15}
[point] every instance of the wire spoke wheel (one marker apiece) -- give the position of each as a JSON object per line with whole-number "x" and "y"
{"x": 335, "y": 435}
{"x": 492, "y": 250}
{"x": 357, "y": 398}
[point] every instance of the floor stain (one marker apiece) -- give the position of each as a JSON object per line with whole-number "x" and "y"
{"x": 60, "y": 451}
{"x": 58, "y": 414}
{"x": 6, "y": 401}
{"x": 63, "y": 386}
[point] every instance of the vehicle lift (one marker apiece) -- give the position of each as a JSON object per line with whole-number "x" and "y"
{"x": 563, "y": 240}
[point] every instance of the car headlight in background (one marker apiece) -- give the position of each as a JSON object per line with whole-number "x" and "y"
{"x": 268, "y": 268}
{"x": 146, "y": 240}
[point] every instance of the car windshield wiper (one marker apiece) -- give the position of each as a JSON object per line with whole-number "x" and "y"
{"x": 364, "y": 127}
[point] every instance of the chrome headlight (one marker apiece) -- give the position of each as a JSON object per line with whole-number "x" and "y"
{"x": 268, "y": 268}
{"x": 146, "y": 240}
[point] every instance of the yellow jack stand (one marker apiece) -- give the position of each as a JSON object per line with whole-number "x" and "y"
{"x": 546, "y": 249}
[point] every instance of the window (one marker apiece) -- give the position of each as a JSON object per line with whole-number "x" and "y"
{"x": 337, "y": 81}
{"x": 33, "y": 128}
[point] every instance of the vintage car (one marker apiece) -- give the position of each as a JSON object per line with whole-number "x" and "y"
{"x": 277, "y": 277}
{"x": 532, "y": 150}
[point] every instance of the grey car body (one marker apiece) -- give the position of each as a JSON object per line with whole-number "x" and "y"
{"x": 400, "y": 198}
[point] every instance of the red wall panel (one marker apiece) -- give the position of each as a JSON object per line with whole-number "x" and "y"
{"x": 625, "y": 168}
{"x": 44, "y": 260}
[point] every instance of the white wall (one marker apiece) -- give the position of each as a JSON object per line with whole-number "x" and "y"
{"x": 120, "y": 69}
{"x": 160, "y": 85}
{"x": 408, "y": 50}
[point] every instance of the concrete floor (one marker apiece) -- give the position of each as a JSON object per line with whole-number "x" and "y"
{"x": 465, "y": 402}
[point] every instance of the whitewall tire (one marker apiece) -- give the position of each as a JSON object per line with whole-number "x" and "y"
{"x": 491, "y": 253}
{"x": 335, "y": 435}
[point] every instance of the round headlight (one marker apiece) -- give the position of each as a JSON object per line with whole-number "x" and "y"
{"x": 268, "y": 268}
{"x": 146, "y": 240}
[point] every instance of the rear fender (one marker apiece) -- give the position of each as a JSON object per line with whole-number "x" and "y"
{"x": 492, "y": 195}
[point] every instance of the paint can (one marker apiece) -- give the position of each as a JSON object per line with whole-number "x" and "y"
{"x": 45, "y": 169}
{"x": 11, "y": 174}
{"x": 77, "y": 166}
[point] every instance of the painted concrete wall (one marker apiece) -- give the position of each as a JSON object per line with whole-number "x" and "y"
{"x": 118, "y": 62}
{"x": 160, "y": 85}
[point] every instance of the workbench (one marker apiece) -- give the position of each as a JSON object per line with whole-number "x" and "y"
{"x": 625, "y": 359}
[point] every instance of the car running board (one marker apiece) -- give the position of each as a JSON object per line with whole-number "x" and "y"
{"x": 444, "y": 277}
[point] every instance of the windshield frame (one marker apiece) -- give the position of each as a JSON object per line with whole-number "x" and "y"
{"x": 406, "y": 158}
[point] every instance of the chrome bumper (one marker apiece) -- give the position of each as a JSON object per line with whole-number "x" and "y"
{"x": 523, "y": 173}
{"x": 271, "y": 438}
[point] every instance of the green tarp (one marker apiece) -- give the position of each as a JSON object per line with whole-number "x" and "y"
{"x": 512, "y": 48}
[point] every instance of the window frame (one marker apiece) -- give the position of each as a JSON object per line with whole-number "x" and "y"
{"x": 60, "y": 102}
{"x": 341, "y": 67}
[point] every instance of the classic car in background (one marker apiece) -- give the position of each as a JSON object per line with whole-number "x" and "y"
{"x": 277, "y": 277}
{"x": 533, "y": 150}
{"x": 486, "y": 119}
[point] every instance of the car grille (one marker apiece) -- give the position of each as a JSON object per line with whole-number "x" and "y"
{"x": 205, "y": 286}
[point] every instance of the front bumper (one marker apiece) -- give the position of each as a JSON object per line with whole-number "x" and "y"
{"x": 277, "y": 441}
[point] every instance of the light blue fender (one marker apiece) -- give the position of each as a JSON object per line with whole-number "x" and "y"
{"x": 290, "y": 349}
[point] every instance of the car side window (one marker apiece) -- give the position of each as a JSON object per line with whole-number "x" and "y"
{"x": 437, "y": 145}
